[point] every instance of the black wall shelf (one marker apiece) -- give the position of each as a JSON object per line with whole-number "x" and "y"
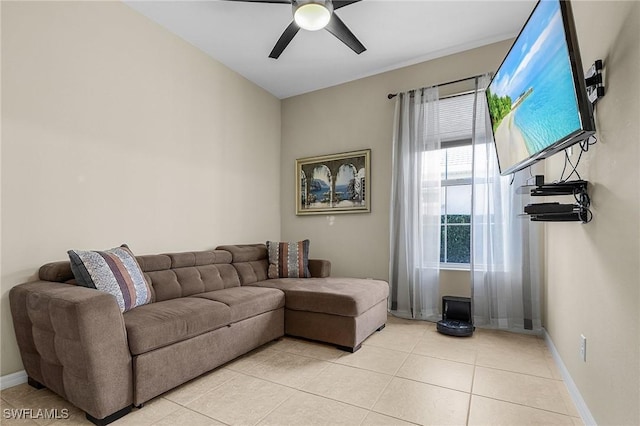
{"x": 578, "y": 211}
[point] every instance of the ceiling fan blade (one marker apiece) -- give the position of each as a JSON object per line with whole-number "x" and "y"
{"x": 263, "y": 1}
{"x": 340, "y": 30}
{"x": 337, "y": 4}
{"x": 284, "y": 40}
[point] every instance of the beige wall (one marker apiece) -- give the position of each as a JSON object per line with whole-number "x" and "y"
{"x": 593, "y": 274}
{"x": 115, "y": 130}
{"x": 455, "y": 283}
{"x": 354, "y": 116}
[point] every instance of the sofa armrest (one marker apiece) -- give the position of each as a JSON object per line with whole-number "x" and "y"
{"x": 319, "y": 268}
{"x": 73, "y": 340}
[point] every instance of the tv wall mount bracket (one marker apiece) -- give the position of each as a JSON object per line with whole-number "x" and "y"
{"x": 594, "y": 82}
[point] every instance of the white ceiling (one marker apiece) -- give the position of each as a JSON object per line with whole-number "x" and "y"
{"x": 395, "y": 33}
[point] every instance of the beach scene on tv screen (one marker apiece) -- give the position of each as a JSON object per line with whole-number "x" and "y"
{"x": 532, "y": 98}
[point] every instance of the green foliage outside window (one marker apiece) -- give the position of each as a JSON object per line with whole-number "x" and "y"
{"x": 455, "y": 232}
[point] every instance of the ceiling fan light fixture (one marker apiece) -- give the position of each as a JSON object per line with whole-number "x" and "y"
{"x": 311, "y": 16}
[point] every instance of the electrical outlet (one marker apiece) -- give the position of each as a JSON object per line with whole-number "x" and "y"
{"x": 583, "y": 348}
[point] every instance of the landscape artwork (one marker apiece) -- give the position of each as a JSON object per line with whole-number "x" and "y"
{"x": 330, "y": 184}
{"x": 533, "y": 88}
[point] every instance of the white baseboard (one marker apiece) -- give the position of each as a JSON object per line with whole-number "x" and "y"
{"x": 581, "y": 405}
{"x": 14, "y": 379}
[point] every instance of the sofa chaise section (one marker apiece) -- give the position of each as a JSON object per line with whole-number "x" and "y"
{"x": 341, "y": 311}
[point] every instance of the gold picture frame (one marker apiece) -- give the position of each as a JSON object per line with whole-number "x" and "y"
{"x": 334, "y": 184}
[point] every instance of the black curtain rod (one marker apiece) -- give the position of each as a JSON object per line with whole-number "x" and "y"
{"x": 393, "y": 95}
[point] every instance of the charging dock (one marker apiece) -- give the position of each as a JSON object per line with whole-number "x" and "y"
{"x": 457, "y": 318}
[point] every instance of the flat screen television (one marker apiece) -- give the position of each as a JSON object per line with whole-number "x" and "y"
{"x": 537, "y": 98}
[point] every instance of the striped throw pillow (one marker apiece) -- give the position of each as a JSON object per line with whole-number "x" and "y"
{"x": 115, "y": 271}
{"x": 288, "y": 260}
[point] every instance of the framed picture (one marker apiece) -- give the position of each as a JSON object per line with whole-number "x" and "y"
{"x": 331, "y": 184}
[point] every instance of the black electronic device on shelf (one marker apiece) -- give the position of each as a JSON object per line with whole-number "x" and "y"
{"x": 560, "y": 188}
{"x": 540, "y": 208}
{"x": 578, "y": 211}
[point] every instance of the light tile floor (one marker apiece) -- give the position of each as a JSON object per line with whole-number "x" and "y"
{"x": 406, "y": 374}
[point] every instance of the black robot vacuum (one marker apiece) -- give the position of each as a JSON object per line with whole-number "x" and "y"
{"x": 457, "y": 317}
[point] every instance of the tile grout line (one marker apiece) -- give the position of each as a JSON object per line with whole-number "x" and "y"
{"x": 396, "y": 350}
{"x": 382, "y": 393}
{"x": 274, "y": 409}
{"x": 196, "y": 412}
{"x": 442, "y": 359}
{"x": 256, "y": 364}
{"x": 519, "y": 372}
{"x": 519, "y": 403}
{"x": 217, "y": 369}
{"x": 473, "y": 380}
{"x": 288, "y": 386}
{"x": 526, "y": 406}
{"x": 322, "y": 396}
{"x": 393, "y": 376}
{"x": 429, "y": 384}
{"x": 229, "y": 380}
{"x": 157, "y": 398}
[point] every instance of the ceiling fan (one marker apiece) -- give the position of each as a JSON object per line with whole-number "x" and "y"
{"x": 314, "y": 15}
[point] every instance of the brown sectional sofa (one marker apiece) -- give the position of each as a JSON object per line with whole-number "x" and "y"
{"x": 208, "y": 308}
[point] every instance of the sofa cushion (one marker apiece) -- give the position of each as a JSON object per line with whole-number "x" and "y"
{"x": 114, "y": 271}
{"x": 57, "y": 271}
{"x": 288, "y": 260}
{"x": 175, "y": 275}
{"x": 163, "y": 323}
{"x": 250, "y": 260}
{"x": 247, "y": 302}
{"x": 348, "y": 297}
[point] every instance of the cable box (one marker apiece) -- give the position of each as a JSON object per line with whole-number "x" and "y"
{"x": 561, "y": 217}
{"x": 560, "y": 188}
{"x": 545, "y": 208}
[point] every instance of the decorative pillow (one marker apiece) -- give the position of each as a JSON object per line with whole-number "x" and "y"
{"x": 288, "y": 260}
{"x": 114, "y": 271}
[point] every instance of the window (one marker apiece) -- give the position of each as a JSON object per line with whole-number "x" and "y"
{"x": 456, "y": 118}
{"x": 455, "y": 199}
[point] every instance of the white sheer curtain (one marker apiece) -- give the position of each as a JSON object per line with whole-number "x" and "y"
{"x": 414, "y": 269}
{"x": 506, "y": 261}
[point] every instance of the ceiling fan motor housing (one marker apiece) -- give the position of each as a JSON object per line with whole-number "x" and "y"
{"x": 312, "y": 15}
